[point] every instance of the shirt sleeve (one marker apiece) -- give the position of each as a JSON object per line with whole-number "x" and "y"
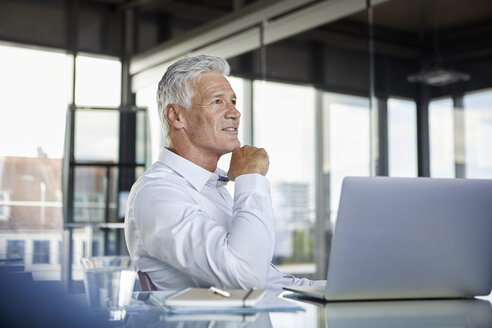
{"x": 177, "y": 230}
{"x": 277, "y": 280}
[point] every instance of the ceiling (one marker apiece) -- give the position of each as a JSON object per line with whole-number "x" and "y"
{"x": 408, "y": 33}
{"x": 403, "y": 15}
{"x": 417, "y": 15}
{"x": 46, "y": 22}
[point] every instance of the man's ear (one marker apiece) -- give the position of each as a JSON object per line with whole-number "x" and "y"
{"x": 173, "y": 116}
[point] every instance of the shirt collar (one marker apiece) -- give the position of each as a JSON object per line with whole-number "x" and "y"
{"x": 196, "y": 175}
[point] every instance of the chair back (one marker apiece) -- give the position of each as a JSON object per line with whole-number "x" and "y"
{"x": 145, "y": 282}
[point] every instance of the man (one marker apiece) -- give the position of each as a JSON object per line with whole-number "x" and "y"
{"x": 182, "y": 227}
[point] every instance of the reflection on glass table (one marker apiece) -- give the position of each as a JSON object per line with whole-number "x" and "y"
{"x": 153, "y": 317}
{"x": 458, "y": 313}
{"x": 438, "y": 313}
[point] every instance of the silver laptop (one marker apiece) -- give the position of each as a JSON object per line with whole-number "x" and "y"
{"x": 410, "y": 238}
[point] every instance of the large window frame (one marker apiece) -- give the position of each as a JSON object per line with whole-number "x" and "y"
{"x": 65, "y": 234}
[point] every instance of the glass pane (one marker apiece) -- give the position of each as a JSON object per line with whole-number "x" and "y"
{"x": 441, "y": 137}
{"x": 347, "y": 138}
{"x": 35, "y": 119}
{"x": 284, "y": 126}
{"x": 142, "y": 147}
{"x": 97, "y": 135}
{"x": 478, "y": 134}
{"x": 78, "y": 237}
{"x": 32, "y": 129}
{"x": 146, "y": 97}
{"x": 97, "y": 82}
{"x": 402, "y": 137}
{"x": 88, "y": 241}
{"x": 90, "y": 193}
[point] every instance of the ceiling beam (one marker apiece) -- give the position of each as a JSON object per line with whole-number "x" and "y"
{"x": 359, "y": 43}
{"x": 221, "y": 28}
{"x": 240, "y": 32}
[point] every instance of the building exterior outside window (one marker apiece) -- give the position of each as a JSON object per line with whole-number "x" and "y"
{"x": 15, "y": 249}
{"x": 33, "y": 130}
{"x": 41, "y": 252}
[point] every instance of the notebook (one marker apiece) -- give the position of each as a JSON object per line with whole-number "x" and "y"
{"x": 206, "y": 297}
{"x": 410, "y": 238}
{"x": 190, "y": 302}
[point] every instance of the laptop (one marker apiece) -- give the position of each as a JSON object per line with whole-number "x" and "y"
{"x": 409, "y": 238}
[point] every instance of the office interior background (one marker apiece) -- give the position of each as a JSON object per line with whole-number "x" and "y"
{"x": 329, "y": 88}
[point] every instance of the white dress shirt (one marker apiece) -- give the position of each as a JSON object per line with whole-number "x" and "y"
{"x": 184, "y": 230}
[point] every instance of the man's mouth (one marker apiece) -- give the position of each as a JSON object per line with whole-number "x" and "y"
{"x": 229, "y": 129}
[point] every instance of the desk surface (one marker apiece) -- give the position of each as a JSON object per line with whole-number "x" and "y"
{"x": 461, "y": 313}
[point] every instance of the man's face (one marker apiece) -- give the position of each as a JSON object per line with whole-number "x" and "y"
{"x": 213, "y": 120}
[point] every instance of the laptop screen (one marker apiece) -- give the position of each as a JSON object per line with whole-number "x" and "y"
{"x": 411, "y": 238}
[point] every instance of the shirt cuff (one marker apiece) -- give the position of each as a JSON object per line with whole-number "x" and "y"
{"x": 252, "y": 183}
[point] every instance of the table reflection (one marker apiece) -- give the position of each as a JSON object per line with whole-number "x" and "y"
{"x": 259, "y": 320}
{"x": 460, "y": 313}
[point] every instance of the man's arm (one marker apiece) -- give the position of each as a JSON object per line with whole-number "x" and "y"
{"x": 177, "y": 230}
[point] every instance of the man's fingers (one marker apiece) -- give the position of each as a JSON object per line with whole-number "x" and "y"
{"x": 247, "y": 160}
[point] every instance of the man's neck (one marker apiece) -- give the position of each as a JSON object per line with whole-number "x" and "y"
{"x": 209, "y": 163}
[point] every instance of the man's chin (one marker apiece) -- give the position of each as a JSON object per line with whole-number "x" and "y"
{"x": 231, "y": 148}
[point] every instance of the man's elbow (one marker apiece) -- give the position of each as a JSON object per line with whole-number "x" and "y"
{"x": 253, "y": 279}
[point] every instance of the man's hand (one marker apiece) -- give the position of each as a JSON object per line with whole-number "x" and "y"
{"x": 246, "y": 160}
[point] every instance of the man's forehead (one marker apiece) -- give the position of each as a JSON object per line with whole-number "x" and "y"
{"x": 213, "y": 83}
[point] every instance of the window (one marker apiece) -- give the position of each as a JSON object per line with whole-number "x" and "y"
{"x": 441, "y": 137}
{"x": 97, "y": 135}
{"x": 347, "y": 142}
{"x": 4, "y": 208}
{"x": 89, "y": 195}
{"x": 98, "y": 82}
{"x": 34, "y": 108}
{"x": 15, "y": 249}
{"x": 478, "y": 134}
{"x": 95, "y": 248}
{"x": 146, "y": 97}
{"x": 32, "y": 130}
{"x": 60, "y": 252}
{"x": 41, "y": 252}
{"x": 284, "y": 126}
{"x": 402, "y": 137}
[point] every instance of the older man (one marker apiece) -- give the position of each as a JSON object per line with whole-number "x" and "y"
{"x": 182, "y": 227}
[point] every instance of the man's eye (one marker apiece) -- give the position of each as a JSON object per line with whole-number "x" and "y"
{"x": 217, "y": 101}
{"x": 233, "y": 102}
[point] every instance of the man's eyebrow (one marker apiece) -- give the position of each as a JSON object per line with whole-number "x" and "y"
{"x": 218, "y": 95}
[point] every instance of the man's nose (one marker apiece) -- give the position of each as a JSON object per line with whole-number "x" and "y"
{"x": 232, "y": 112}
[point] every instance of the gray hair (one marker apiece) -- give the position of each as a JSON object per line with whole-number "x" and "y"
{"x": 174, "y": 87}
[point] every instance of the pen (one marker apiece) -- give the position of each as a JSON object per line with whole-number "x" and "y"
{"x": 221, "y": 292}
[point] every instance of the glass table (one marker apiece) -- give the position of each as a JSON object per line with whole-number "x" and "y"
{"x": 457, "y": 313}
